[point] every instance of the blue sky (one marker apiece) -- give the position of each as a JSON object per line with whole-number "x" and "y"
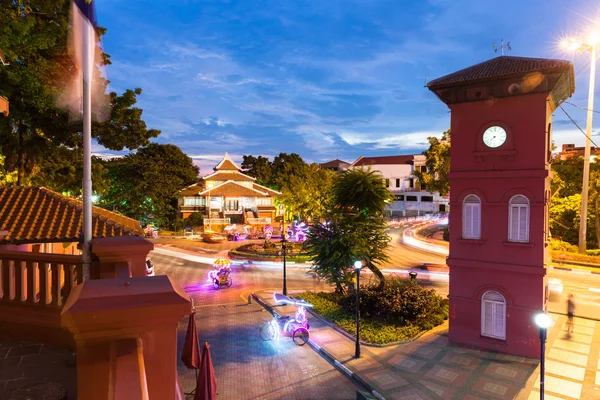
{"x": 325, "y": 79}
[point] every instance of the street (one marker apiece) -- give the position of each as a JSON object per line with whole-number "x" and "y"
{"x": 246, "y": 366}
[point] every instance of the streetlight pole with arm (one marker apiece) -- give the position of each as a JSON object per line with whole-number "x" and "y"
{"x": 591, "y": 47}
{"x": 358, "y": 266}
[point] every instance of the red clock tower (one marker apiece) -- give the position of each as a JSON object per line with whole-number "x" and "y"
{"x": 499, "y": 176}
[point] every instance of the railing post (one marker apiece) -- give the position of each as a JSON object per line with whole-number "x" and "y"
{"x": 31, "y": 283}
{"x": 68, "y": 285}
{"x": 6, "y": 286}
{"x": 44, "y": 289}
{"x": 18, "y": 266}
{"x": 55, "y": 284}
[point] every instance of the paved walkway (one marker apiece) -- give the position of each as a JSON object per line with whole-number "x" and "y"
{"x": 26, "y": 364}
{"x": 433, "y": 368}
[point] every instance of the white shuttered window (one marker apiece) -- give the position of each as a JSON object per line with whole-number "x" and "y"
{"x": 471, "y": 217}
{"x": 493, "y": 315}
{"x": 518, "y": 219}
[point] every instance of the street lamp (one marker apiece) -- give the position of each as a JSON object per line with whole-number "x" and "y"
{"x": 283, "y": 248}
{"x": 543, "y": 321}
{"x": 590, "y": 45}
{"x": 358, "y": 266}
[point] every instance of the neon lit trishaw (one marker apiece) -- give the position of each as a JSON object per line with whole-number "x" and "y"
{"x": 221, "y": 274}
{"x": 297, "y": 327}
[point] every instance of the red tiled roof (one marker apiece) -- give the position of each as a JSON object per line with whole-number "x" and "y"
{"x": 500, "y": 67}
{"x": 228, "y": 175}
{"x": 335, "y": 163}
{"x": 40, "y": 215}
{"x": 384, "y": 160}
{"x": 192, "y": 190}
{"x": 232, "y": 189}
{"x": 227, "y": 164}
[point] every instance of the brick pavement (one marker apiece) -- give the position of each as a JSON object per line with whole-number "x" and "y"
{"x": 25, "y": 364}
{"x": 432, "y": 368}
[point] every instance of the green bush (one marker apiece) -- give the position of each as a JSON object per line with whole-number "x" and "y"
{"x": 593, "y": 252}
{"x": 421, "y": 309}
{"x": 559, "y": 245}
{"x": 401, "y": 303}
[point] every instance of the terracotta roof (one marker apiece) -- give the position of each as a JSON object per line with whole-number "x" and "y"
{"x": 192, "y": 190}
{"x": 262, "y": 188}
{"x": 40, "y": 215}
{"x": 228, "y": 175}
{"x": 384, "y": 160}
{"x": 335, "y": 163}
{"x": 232, "y": 188}
{"x": 3, "y": 106}
{"x": 227, "y": 164}
{"x": 500, "y": 67}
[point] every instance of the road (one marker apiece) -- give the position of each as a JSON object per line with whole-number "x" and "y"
{"x": 246, "y": 366}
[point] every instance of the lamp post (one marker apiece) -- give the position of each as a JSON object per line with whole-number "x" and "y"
{"x": 283, "y": 248}
{"x": 590, "y": 45}
{"x": 358, "y": 266}
{"x": 543, "y": 321}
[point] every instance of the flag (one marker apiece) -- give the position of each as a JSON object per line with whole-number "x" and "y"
{"x": 86, "y": 51}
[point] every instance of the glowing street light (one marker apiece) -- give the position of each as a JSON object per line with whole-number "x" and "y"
{"x": 543, "y": 321}
{"x": 358, "y": 266}
{"x": 589, "y": 45}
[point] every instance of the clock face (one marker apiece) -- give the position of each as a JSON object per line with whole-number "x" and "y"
{"x": 494, "y": 136}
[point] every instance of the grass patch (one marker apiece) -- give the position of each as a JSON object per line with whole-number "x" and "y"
{"x": 377, "y": 332}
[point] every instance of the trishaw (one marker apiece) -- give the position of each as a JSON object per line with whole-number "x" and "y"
{"x": 221, "y": 274}
{"x": 297, "y": 327}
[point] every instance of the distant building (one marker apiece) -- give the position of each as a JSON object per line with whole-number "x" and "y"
{"x": 410, "y": 196}
{"x": 336, "y": 165}
{"x": 229, "y": 196}
{"x": 569, "y": 150}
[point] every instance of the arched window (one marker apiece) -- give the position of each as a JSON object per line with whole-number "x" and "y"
{"x": 493, "y": 315}
{"x": 518, "y": 219}
{"x": 471, "y": 217}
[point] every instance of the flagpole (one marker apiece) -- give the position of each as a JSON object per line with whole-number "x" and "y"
{"x": 87, "y": 149}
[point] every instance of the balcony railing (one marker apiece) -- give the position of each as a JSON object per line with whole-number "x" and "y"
{"x": 216, "y": 221}
{"x": 258, "y": 221}
{"x": 38, "y": 278}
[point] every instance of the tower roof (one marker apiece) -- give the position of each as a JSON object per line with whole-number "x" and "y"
{"x": 503, "y": 67}
{"x": 227, "y": 164}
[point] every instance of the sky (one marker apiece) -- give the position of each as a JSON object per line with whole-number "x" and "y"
{"x": 325, "y": 79}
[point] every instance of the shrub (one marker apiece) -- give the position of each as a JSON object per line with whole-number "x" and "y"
{"x": 559, "y": 245}
{"x": 593, "y": 252}
{"x": 402, "y": 303}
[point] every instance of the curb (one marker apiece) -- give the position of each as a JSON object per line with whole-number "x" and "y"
{"x": 327, "y": 356}
{"x": 579, "y": 271}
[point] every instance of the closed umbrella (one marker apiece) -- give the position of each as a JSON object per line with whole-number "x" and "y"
{"x": 190, "y": 356}
{"x": 206, "y": 386}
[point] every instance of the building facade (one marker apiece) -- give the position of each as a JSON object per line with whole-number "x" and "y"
{"x": 500, "y": 177}
{"x": 569, "y": 150}
{"x": 229, "y": 196}
{"x": 410, "y": 196}
{"x": 336, "y": 165}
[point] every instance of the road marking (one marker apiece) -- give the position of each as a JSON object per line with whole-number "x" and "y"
{"x": 594, "y": 290}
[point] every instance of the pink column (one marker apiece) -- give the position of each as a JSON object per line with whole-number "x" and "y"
{"x": 132, "y": 250}
{"x": 126, "y": 335}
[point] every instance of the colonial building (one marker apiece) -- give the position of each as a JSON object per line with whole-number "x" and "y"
{"x": 410, "y": 196}
{"x": 41, "y": 220}
{"x": 229, "y": 196}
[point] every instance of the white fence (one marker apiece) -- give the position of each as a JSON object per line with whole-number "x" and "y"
{"x": 258, "y": 221}
{"x": 217, "y": 221}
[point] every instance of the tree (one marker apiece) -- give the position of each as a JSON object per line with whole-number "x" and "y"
{"x": 259, "y": 168}
{"x": 147, "y": 183}
{"x": 33, "y": 36}
{"x": 355, "y": 228}
{"x": 437, "y": 161}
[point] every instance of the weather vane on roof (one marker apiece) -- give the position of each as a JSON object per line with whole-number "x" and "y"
{"x": 502, "y": 47}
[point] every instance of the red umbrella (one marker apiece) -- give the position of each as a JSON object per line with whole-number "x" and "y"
{"x": 206, "y": 386}
{"x": 191, "y": 348}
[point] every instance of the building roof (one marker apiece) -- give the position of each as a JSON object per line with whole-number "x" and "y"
{"x": 227, "y": 164}
{"x": 384, "y": 160}
{"x": 335, "y": 164}
{"x": 503, "y": 67}
{"x": 228, "y": 175}
{"x": 192, "y": 190}
{"x": 40, "y": 215}
{"x": 233, "y": 188}
{"x": 3, "y": 106}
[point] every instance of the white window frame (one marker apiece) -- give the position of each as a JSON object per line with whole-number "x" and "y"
{"x": 469, "y": 229}
{"x": 521, "y": 208}
{"x": 497, "y": 306}
{"x": 194, "y": 201}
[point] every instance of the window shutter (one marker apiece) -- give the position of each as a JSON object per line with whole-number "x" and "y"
{"x": 499, "y": 312}
{"x": 488, "y": 319}
{"x": 477, "y": 221}
{"x": 523, "y": 224}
